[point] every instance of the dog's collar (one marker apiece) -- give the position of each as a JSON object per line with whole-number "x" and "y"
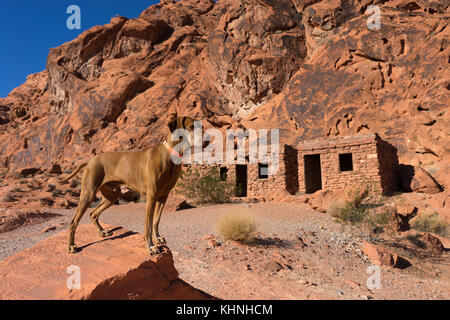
{"x": 172, "y": 150}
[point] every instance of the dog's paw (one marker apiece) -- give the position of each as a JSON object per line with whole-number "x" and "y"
{"x": 161, "y": 241}
{"x": 105, "y": 234}
{"x": 73, "y": 249}
{"x": 154, "y": 250}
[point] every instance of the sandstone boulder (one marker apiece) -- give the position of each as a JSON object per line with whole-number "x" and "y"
{"x": 116, "y": 268}
{"x": 402, "y": 214}
{"x": 432, "y": 243}
{"x": 417, "y": 179}
{"x": 381, "y": 256}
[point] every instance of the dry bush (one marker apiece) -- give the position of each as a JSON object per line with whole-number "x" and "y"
{"x": 431, "y": 222}
{"x": 238, "y": 224}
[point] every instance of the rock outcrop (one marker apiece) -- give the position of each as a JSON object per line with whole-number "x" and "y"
{"x": 381, "y": 256}
{"x": 311, "y": 68}
{"x": 116, "y": 268}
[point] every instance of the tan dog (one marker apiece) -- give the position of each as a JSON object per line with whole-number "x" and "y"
{"x": 150, "y": 171}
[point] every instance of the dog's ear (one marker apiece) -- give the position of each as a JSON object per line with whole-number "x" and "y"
{"x": 173, "y": 123}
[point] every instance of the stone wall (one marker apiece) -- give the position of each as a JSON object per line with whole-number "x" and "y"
{"x": 285, "y": 179}
{"x": 374, "y": 161}
{"x": 388, "y": 165}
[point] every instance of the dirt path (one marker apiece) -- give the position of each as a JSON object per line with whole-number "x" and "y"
{"x": 300, "y": 254}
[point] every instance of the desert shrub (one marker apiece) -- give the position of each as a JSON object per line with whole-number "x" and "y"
{"x": 362, "y": 210}
{"x": 353, "y": 210}
{"x": 205, "y": 187}
{"x": 431, "y": 222}
{"x": 238, "y": 224}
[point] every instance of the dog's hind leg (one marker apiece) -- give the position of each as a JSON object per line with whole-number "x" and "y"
{"x": 157, "y": 239}
{"x": 110, "y": 197}
{"x": 86, "y": 199}
{"x": 90, "y": 183}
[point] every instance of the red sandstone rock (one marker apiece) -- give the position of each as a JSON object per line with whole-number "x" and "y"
{"x": 402, "y": 214}
{"x": 406, "y": 209}
{"x": 118, "y": 268}
{"x": 273, "y": 266}
{"x": 423, "y": 182}
{"x": 433, "y": 243}
{"x": 381, "y": 256}
{"x": 11, "y": 219}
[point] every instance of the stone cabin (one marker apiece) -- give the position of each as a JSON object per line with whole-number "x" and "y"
{"x": 326, "y": 164}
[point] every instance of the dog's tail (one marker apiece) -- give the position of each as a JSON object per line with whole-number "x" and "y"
{"x": 81, "y": 166}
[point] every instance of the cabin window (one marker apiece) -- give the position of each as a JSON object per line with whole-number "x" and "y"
{"x": 345, "y": 162}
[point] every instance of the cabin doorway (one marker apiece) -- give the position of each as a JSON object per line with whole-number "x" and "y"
{"x": 241, "y": 180}
{"x": 313, "y": 173}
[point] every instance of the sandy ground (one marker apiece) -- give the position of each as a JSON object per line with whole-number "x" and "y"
{"x": 300, "y": 254}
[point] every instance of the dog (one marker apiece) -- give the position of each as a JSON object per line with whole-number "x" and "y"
{"x": 150, "y": 171}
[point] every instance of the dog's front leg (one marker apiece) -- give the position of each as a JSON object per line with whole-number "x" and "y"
{"x": 150, "y": 210}
{"x": 157, "y": 239}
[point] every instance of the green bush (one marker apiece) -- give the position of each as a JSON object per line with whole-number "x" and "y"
{"x": 360, "y": 210}
{"x": 205, "y": 187}
{"x": 237, "y": 224}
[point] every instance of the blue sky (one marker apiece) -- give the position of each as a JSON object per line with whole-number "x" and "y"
{"x": 28, "y": 28}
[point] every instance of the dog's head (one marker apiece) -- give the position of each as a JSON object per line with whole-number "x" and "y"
{"x": 181, "y": 123}
{"x": 188, "y": 124}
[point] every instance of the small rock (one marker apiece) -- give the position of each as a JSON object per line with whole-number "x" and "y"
{"x": 302, "y": 281}
{"x": 46, "y": 201}
{"x": 55, "y": 169}
{"x": 213, "y": 243}
{"x": 48, "y": 229}
{"x": 273, "y": 266}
